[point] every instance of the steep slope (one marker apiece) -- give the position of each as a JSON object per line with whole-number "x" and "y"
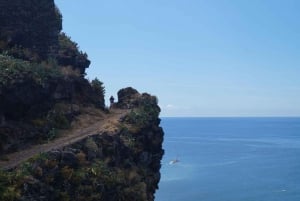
{"x": 42, "y": 84}
{"x": 105, "y": 123}
{"x": 57, "y": 139}
{"x": 33, "y": 25}
{"x": 118, "y": 161}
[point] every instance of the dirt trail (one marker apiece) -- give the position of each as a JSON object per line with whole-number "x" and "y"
{"x": 108, "y": 124}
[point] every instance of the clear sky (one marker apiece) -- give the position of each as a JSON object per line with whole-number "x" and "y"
{"x": 199, "y": 57}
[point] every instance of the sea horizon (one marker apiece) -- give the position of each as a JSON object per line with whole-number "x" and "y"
{"x": 230, "y": 116}
{"x": 230, "y": 159}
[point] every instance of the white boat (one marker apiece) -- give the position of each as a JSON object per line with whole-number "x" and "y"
{"x": 172, "y": 162}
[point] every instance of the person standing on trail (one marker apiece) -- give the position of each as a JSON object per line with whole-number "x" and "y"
{"x": 112, "y": 101}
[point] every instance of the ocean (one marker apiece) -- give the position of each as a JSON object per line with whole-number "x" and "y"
{"x": 230, "y": 159}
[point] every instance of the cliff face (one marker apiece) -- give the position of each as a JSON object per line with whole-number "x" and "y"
{"x": 42, "y": 84}
{"x": 36, "y": 99}
{"x": 31, "y": 30}
{"x": 32, "y": 24}
{"x": 57, "y": 139}
{"x": 118, "y": 165}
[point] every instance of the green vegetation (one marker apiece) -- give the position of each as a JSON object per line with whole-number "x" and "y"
{"x": 57, "y": 119}
{"x": 146, "y": 113}
{"x": 10, "y": 183}
{"x": 29, "y": 25}
{"x": 127, "y": 137}
{"x": 99, "y": 92}
{"x": 13, "y": 71}
{"x": 69, "y": 55}
{"x": 116, "y": 167}
{"x": 98, "y": 87}
{"x": 42, "y": 89}
{"x": 52, "y": 134}
{"x": 105, "y": 178}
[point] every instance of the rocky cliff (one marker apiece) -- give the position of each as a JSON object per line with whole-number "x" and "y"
{"x": 116, "y": 164}
{"x": 42, "y": 84}
{"x": 31, "y": 30}
{"x": 33, "y": 24}
{"x": 57, "y": 139}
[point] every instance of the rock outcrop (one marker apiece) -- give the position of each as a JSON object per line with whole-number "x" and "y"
{"x": 44, "y": 95}
{"x": 31, "y": 30}
{"x": 33, "y": 24}
{"x": 42, "y": 87}
{"x": 120, "y": 165}
{"x": 37, "y": 98}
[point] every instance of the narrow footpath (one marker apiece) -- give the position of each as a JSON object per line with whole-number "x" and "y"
{"x": 107, "y": 124}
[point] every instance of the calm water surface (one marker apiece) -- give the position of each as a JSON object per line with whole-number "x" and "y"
{"x": 231, "y": 159}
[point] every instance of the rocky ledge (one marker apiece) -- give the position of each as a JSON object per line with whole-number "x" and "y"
{"x": 118, "y": 164}
{"x": 58, "y": 141}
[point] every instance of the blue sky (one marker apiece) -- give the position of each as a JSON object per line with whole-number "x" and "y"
{"x": 200, "y": 58}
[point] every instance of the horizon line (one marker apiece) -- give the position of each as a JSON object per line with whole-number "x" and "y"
{"x": 230, "y": 116}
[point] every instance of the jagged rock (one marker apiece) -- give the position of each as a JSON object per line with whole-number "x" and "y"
{"x": 69, "y": 158}
{"x": 54, "y": 155}
{"x": 31, "y": 24}
{"x": 127, "y": 98}
{"x": 118, "y": 166}
{"x": 31, "y": 30}
{"x": 145, "y": 158}
{"x": 38, "y": 192}
{"x": 39, "y": 96}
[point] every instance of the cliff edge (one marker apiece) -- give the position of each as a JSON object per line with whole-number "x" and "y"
{"x": 58, "y": 140}
{"x": 118, "y": 158}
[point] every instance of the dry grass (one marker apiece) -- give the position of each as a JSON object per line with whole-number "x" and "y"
{"x": 70, "y": 71}
{"x": 88, "y": 116}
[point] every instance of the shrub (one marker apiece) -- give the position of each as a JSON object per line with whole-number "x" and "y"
{"x": 99, "y": 92}
{"x": 14, "y": 71}
{"x": 98, "y": 87}
{"x": 69, "y": 54}
{"x": 8, "y": 186}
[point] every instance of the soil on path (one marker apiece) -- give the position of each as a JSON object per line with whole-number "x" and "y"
{"x": 106, "y": 123}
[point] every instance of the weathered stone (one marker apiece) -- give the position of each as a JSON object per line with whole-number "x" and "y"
{"x": 32, "y": 24}
{"x": 69, "y": 159}
{"x": 127, "y": 98}
{"x": 145, "y": 158}
{"x": 54, "y": 155}
{"x": 117, "y": 166}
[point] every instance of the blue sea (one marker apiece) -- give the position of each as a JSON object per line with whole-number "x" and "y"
{"x": 230, "y": 159}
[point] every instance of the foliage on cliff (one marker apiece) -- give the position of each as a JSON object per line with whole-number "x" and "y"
{"x": 30, "y": 24}
{"x": 31, "y": 30}
{"x": 42, "y": 90}
{"x": 26, "y": 84}
{"x": 119, "y": 166}
{"x": 69, "y": 55}
{"x": 144, "y": 107}
{"x": 14, "y": 71}
{"x": 42, "y": 87}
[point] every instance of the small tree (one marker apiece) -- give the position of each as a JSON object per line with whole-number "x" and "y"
{"x": 99, "y": 91}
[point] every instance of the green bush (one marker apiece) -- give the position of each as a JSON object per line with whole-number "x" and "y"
{"x": 138, "y": 118}
{"x": 99, "y": 92}
{"x": 57, "y": 118}
{"x": 18, "y": 71}
{"x": 98, "y": 87}
{"x": 8, "y": 186}
{"x": 146, "y": 113}
{"x": 69, "y": 54}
